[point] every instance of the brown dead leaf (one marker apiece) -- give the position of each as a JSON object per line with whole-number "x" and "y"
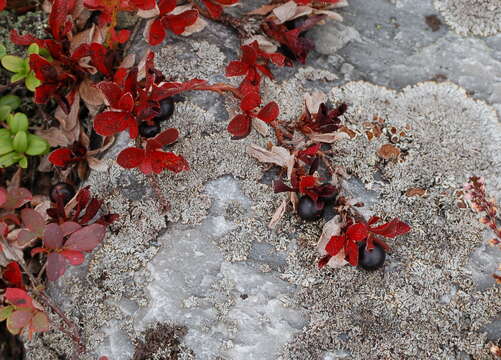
{"x": 260, "y": 126}
{"x": 415, "y": 192}
{"x": 264, "y": 44}
{"x": 147, "y": 14}
{"x": 279, "y": 213}
{"x": 388, "y": 152}
{"x": 351, "y": 134}
{"x": 277, "y": 155}
{"x": 54, "y": 136}
{"x": 97, "y": 164}
{"x": 327, "y": 138}
{"x": 90, "y": 94}
{"x": 314, "y": 100}
{"x": 331, "y": 228}
{"x": 263, "y": 10}
{"x": 285, "y": 12}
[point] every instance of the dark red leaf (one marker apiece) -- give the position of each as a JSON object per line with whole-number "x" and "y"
{"x": 239, "y": 127}
{"x": 13, "y": 274}
{"x": 56, "y": 266}
{"x": 237, "y": 68}
{"x": 250, "y": 101}
{"x": 57, "y": 19}
{"x": 351, "y": 251}
{"x": 166, "y": 137}
{"x": 215, "y": 10}
{"x": 3, "y": 4}
{"x": 98, "y": 55}
{"x": 169, "y": 161}
{"x": 24, "y": 40}
{"x": 61, "y": 157}
{"x": 43, "y": 69}
{"x": 156, "y": 33}
{"x": 392, "y": 229}
{"x": 357, "y": 232}
{"x": 53, "y": 236}
{"x": 335, "y": 244}
{"x": 173, "y": 88}
{"x": 178, "y": 23}
{"x": 269, "y": 113}
{"x": 87, "y": 238}
{"x": 323, "y": 261}
{"x": 166, "y": 6}
{"x": 109, "y": 123}
{"x": 112, "y": 92}
{"x": 91, "y": 211}
{"x": 130, "y": 158}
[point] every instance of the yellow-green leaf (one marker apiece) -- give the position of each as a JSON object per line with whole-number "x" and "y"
{"x": 18, "y": 122}
{"x": 32, "y": 82}
{"x": 20, "y": 142}
{"x": 36, "y": 145}
{"x": 5, "y": 311}
{"x": 33, "y": 49}
{"x": 11, "y": 100}
{"x": 9, "y": 159}
{"x": 23, "y": 162}
{"x": 5, "y": 144}
{"x": 13, "y": 63}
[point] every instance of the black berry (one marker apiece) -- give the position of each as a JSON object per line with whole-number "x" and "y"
{"x": 309, "y": 210}
{"x": 166, "y": 109}
{"x": 371, "y": 260}
{"x": 148, "y": 131}
{"x": 331, "y": 198}
{"x": 62, "y": 191}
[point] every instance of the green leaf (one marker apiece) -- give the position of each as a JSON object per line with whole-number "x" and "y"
{"x": 13, "y": 63}
{"x": 17, "y": 123}
{"x": 5, "y": 312}
{"x": 4, "y": 132}
{"x": 3, "y": 51}
{"x": 33, "y": 49}
{"x": 23, "y": 162}
{"x": 9, "y": 159}
{"x": 20, "y": 142}
{"x": 12, "y": 100}
{"x": 32, "y": 82}
{"x": 4, "y": 112}
{"x": 17, "y": 77}
{"x": 5, "y": 144}
{"x": 36, "y": 145}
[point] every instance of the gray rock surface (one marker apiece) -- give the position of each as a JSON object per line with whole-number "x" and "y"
{"x": 243, "y": 291}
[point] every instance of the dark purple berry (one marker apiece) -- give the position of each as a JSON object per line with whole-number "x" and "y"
{"x": 62, "y": 191}
{"x": 371, "y": 260}
{"x": 149, "y": 131}
{"x": 308, "y": 210}
{"x": 166, "y": 110}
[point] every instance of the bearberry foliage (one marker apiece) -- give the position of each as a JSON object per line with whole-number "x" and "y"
{"x": 88, "y": 90}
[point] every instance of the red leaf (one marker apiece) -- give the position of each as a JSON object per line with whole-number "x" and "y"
{"x": 144, "y": 4}
{"x": 373, "y": 220}
{"x": 3, "y": 196}
{"x": 178, "y": 23}
{"x": 307, "y": 182}
{"x": 61, "y": 157}
{"x": 43, "y": 69}
{"x": 269, "y": 113}
{"x": 87, "y": 238}
{"x": 335, "y": 244}
{"x": 57, "y": 20}
{"x": 323, "y": 261}
{"x": 250, "y": 101}
{"x": 24, "y": 40}
{"x": 33, "y": 221}
{"x": 166, "y": 6}
{"x": 18, "y": 320}
{"x": 91, "y": 211}
{"x": 130, "y": 158}
{"x": 357, "y": 232}
{"x": 156, "y": 34}
{"x": 392, "y": 229}
{"x": 53, "y": 236}
{"x": 56, "y": 266}
{"x": 18, "y": 298}
{"x": 249, "y": 55}
{"x": 13, "y": 274}
{"x": 165, "y": 138}
{"x": 239, "y": 126}
{"x": 111, "y": 91}
{"x": 44, "y": 92}
{"x": 236, "y": 68}
{"x": 98, "y": 55}
{"x": 74, "y": 257}
{"x": 109, "y": 123}
{"x": 169, "y": 161}
{"x": 126, "y": 102}
{"x": 3, "y": 4}
{"x": 215, "y": 10}
{"x": 351, "y": 251}
{"x": 69, "y": 227}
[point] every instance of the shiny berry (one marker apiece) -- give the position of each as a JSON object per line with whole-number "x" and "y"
{"x": 62, "y": 191}
{"x": 371, "y": 260}
{"x": 166, "y": 109}
{"x": 308, "y": 210}
{"x": 148, "y": 131}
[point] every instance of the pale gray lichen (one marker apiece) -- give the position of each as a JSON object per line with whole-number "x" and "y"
{"x": 471, "y": 17}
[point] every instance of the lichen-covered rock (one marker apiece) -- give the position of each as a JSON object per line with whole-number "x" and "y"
{"x": 472, "y": 17}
